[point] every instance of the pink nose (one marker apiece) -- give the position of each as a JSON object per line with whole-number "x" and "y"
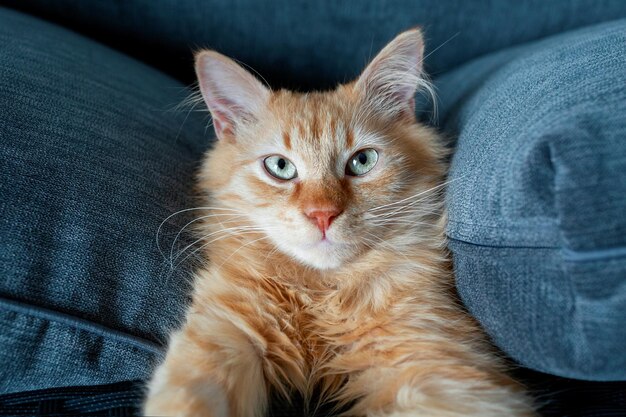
{"x": 322, "y": 218}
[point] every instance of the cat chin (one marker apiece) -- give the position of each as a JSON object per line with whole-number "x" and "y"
{"x": 322, "y": 256}
{"x": 322, "y": 263}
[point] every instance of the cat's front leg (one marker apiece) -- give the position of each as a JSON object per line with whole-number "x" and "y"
{"x": 420, "y": 390}
{"x": 211, "y": 370}
{"x": 430, "y": 363}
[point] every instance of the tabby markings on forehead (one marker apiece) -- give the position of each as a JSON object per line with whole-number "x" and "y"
{"x": 301, "y": 130}
{"x": 314, "y": 129}
{"x": 349, "y": 138}
{"x": 287, "y": 140}
{"x": 333, "y": 127}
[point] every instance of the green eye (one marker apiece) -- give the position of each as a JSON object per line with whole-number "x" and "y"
{"x": 362, "y": 162}
{"x": 280, "y": 167}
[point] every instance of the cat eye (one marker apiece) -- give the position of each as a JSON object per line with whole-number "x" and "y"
{"x": 362, "y": 162}
{"x": 280, "y": 167}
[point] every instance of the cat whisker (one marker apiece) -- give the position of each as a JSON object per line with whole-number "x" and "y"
{"x": 270, "y": 253}
{"x": 158, "y": 232}
{"x": 224, "y": 236}
{"x": 230, "y": 215}
{"x": 408, "y": 211}
{"x": 193, "y": 98}
{"x": 225, "y": 231}
{"x": 407, "y": 222}
{"x": 388, "y": 208}
{"x": 241, "y": 247}
{"x": 377, "y": 241}
{"x": 430, "y": 190}
{"x": 208, "y": 125}
{"x": 180, "y": 129}
{"x": 222, "y": 230}
{"x": 426, "y": 194}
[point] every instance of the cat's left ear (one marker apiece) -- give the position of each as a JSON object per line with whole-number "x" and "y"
{"x": 233, "y": 95}
{"x": 390, "y": 81}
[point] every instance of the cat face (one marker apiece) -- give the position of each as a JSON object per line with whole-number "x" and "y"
{"x": 325, "y": 176}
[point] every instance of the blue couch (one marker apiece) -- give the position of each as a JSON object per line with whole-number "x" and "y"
{"x": 96, "y": 151}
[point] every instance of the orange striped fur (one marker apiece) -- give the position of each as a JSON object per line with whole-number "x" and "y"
{"x": 366, "y": 312}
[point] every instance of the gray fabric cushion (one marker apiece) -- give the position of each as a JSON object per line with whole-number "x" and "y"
{"x": 315, "y": 44}
{"x": 538, "y": 198}
{"x": 93, "y": 157}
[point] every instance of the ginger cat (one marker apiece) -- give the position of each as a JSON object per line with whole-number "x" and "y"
{"x": 327, "y": 264}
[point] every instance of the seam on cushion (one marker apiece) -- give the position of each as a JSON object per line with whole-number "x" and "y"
{"x": 593, "y": 255}
{"x": 569, "y": 255}
{"x": 460, "y": 229}
{"x": 499, "y": 246}
{"x": 548, "y": 224}
{"x": 80, "y": 324}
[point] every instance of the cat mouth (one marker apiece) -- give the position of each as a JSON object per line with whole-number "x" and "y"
{"x": 324, "y": 242}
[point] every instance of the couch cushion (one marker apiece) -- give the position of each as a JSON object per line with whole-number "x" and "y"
{"x": 314, "y": 44}
{"x": 537, "y": 203}
{"x": 93, "y": 157}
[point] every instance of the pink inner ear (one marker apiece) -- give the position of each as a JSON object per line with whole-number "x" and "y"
{"x": 221, "y": 128}
{"x": 390, "y": 81}
{"x": 232, "y": 94}
{"x": 223, "y": 112}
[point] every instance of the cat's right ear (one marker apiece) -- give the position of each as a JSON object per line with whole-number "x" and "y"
{"x": 232, "y": 94}
{"x": 390, "y": 81}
